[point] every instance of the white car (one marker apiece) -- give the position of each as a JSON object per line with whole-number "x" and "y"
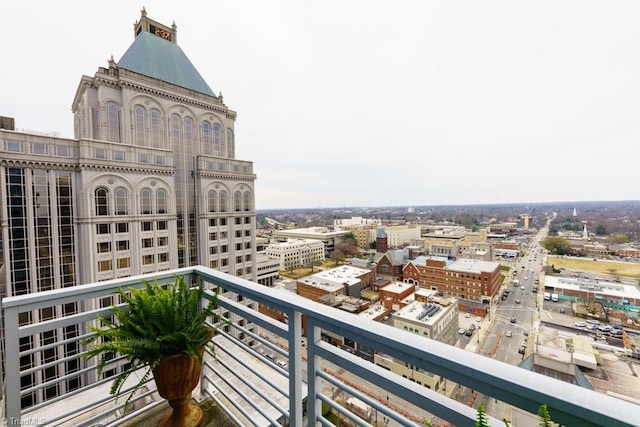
{"x": 580, "y": 324}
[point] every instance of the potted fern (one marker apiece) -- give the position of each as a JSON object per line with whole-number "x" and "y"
{"x": 162, "y": 330}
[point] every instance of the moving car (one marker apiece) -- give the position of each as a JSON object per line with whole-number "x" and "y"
{"x": 517, "y": 301}
{"x": 513, "y": 320}
{"x": 508, "y": 334}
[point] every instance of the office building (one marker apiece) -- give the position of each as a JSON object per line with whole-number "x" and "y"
{"x": 149, "y": 183}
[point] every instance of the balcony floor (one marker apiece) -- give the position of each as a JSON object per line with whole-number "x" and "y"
{"x": 212, "y": 416}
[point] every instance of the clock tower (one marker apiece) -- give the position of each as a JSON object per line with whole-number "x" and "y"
{"x": 156, "y": 28}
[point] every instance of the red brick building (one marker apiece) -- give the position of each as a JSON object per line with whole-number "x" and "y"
{"x": 465, "y": 279}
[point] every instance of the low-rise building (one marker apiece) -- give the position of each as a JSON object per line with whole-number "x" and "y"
{"x": 296, "y": 253}
{"x": 344, "y": 280}
{"x": 328, "y": 237}
{"x": 432, "y": 318}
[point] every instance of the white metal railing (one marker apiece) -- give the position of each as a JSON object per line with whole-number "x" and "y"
{"x": 263, "y": 372}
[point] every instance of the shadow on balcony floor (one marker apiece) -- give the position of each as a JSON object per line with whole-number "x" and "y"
{"x": 212, "y": 416}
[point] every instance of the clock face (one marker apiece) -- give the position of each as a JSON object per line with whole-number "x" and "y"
{"x": 160, "y": 32}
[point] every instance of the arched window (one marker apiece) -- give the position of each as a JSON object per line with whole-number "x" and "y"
{"x": 140, "y": 126}
{"x": 189, "y": 129}
{"x": 175, "y": 129}
{"x": 156, "y": 129}
{"x": 207, "y": 138}
{"x": 145, "y": 201}
{"x": 212, "y": 201}
{"x": 217, "y": 139}
{"x": 102, "y": 201}
{"x": 121, "y": 201}
{"x": 161, "y": 201}
{"x": 113, "y": 122}
{"x": 230, "y": 144}
{"x": 237, "y": 199}
{"x": 247, "y": 201}
{"x": 223, "y": 201}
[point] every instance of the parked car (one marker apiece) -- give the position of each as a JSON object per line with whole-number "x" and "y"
{"x": 461, "y": 331}
{"x": 469, "y": 332}
{"x": 508, "y": 334}
{"x": 522, "y": 349}
{"x": 580, "y": 324}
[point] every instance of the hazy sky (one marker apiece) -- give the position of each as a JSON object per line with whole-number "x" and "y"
{"x": 375, "y": 103}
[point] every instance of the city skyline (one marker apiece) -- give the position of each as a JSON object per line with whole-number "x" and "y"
{"x": 415, "y": 104}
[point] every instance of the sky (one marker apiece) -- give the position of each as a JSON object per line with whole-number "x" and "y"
{"x": 375, "y": 103}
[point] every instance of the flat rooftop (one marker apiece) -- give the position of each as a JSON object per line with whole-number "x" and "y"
{"x": 427, "y": 313}
{"x": 473, "y": 266}
{"x": 619, "y": 290}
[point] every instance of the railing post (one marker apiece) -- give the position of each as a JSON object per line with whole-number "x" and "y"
{"x": 313, "y": 381}
{"x": 295, "y": 368}
{"x": 12, "y": 366}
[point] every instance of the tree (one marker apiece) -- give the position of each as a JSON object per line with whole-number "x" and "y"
{"x": 337, "y": 256}
{"x": 555, "y": 245}
{"x": 601, "y": 230}
{"x": 347, "y": 249}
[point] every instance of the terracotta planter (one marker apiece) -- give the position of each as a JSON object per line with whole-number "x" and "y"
{"x": 176, "y": 376}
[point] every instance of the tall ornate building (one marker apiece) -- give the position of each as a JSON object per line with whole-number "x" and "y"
{"x": 149, "y": 183}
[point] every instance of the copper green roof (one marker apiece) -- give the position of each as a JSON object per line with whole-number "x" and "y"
{"x": 161, "y": 59}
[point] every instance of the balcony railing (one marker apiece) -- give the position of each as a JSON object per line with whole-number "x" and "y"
{"x": 268, "y": 372}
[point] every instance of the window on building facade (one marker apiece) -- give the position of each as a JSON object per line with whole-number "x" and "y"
{"x": 103, "y": 228}
{"x": 246, "y": 202}
{"x": 104, "y": 265}
{"x": 102, "y": 201}
{"x": 217, "y": 140}
{"x": 161, "y": 201}
{"x": 212, "y": 199}
{"x": 156, "y": 129}
{"x": 121, "y": 201}
{"x": 223, "y": 201}
{"x": 237, "y": 201}
{"x": 113, "y": 122}
{"x": 189, "y": 130}
{"x": 145, "y": 201}
{"x": 140, "y": 126}
{"x": 230, "y": 144}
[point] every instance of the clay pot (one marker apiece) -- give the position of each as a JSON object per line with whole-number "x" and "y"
{"x": 176, "y": 376}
